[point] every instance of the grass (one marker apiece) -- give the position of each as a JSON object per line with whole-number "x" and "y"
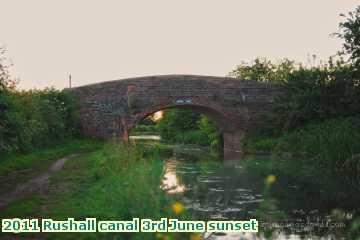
{"x": 323, "y": 156}
{"x": 39, "y": 158}
{"x": 27, "y": 206}
{"x": 16, "y": 168}
{"x": 145, "y": 130}
{"x": 192, "y": 137}
{"x": 333, "y": 144}
{"x": 115, "y": 182}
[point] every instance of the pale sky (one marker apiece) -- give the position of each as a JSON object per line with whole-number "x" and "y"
{"x": 104, "y": 40}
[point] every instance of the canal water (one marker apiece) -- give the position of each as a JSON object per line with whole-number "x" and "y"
{"x": 212, "y": 190}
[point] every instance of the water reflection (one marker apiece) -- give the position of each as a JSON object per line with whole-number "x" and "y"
{"x": 170, "y": 182}
{"x": 145, "y": 137}
{"x": 211, "y": 190}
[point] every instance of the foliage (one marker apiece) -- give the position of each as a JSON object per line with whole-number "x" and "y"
{"x": 175, "y": 121}
{"x": 211, "y": 131}
{"x": 33, "y": 118}
{"x": 6, "y": 82}
{"x": 258, "y": 144}
{"x": 317, "y": 93}
{"x": 350, "y": 33}
{"x": 263, "y": 70}
{"x": 310, "y": 93}
{"x": 189, "y": 127}
{"x": 182, "y": 126}
{"x": 301, "y": 173}
{"x": 23, "y": 167}
{"x": 37, "y": 118}
{"x": 354, "y": 232}
{"x": 115, "y": 182}
{"x": 6, "y": 86}
{"x": 191, "y": 137}
{"x": 315, "y": 124}
{"x": 332, "y": 144}
{"x": 318, "y": 110}
{"x": 145, "y": 129}
{"x": 37, "y": 158}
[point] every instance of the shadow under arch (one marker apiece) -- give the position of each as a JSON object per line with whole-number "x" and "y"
{"x": 219, "y": 118}
{"x": 231, "y": 134}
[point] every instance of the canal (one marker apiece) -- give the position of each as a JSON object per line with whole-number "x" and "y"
{"x": 317, "y": 207}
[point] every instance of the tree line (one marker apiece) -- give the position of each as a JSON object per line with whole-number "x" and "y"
{"x": 318, "y": 116}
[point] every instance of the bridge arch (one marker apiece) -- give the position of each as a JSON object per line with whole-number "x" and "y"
{"x": 220, "y": 119}
{"x": 230, "y": 132}
{"x": 111, "y": 109}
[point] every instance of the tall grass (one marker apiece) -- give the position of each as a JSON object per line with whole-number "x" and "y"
{"x": 121, "y": 184}
{"x": 333, "y": 143}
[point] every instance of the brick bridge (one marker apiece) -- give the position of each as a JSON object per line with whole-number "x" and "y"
{"x": 111, "y": 109}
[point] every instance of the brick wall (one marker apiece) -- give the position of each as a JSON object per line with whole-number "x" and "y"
{"x": 111, "y": 109}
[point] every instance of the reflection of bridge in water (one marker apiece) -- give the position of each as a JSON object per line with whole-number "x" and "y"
{"x": 112, "y": 109}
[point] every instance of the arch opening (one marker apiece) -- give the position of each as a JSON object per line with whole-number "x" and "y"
{"x": 180, "y": 126}
{"x": 221, "y": 137}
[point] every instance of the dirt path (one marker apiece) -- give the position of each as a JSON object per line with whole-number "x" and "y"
{"x": 34, "y": 185}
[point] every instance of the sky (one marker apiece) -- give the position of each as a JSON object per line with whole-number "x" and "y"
{"x": 97, "y": 41}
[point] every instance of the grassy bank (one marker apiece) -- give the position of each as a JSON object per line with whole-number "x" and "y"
{"x": 115, "y": 182}
{"x": 320, "y": 193}
{"x": 333, "y": 145}
{"x": 16, "y": 168}
{"x": 322, "y": 160}
{"x": 40, "y": 157}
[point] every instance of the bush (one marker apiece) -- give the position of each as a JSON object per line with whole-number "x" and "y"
{"x": 209, "y": 129}
{"x": 189, "y": 127}
{"x": 311, "y": 93}
{"x": 333, "y": 143}
{"x": 317, "y": 94}
{"x": 145, "y": 129}
{"x": 37, "y": 118}
{"x": 192, "y": 137}
{"x": 33, "y": 118}
{"x": 176, "y": 121}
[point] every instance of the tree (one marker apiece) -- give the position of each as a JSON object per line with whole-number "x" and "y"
{"x": 7, "y": 84}
{"x": 311, "y": 92}
{"x": 210, "y": 129}
{"x": 263, "y": 70}
{"x": 177, "y": 121}
{"x": 33, "y": 118}
{"x": 350, "y": 32}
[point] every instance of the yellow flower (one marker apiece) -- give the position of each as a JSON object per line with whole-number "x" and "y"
{"x": 177, "y": 208}
{"x": 195, "y": 237}
{"x": 270, "y": 179}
